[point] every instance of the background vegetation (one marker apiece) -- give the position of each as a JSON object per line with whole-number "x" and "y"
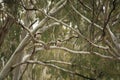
{"x": 60, "y": 40}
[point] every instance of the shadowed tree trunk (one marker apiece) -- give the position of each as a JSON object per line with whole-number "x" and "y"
{"x": 4, "y": 28}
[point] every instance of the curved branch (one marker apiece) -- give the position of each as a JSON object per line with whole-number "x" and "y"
{"x": 54, "y": 66}
{"x": 101, "y": 47}
{"x": 81, "y": 52}
{"x": 5, "y": 71}
{"x": 114, "y": 39}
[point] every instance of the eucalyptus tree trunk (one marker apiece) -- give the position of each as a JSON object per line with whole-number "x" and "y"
{"x": 8, "y": 67}
{"x": 4, "y": 28}
{"x": 27, "y": 18}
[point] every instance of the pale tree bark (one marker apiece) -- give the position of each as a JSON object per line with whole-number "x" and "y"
{"x": 26, "y": 19}
{"x": 6, "y": 70}
{"x": 114, "y": 40}
{"x": 17, "y": 71}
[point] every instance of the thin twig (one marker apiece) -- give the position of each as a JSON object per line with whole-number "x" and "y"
{"x": 84, "y": 5}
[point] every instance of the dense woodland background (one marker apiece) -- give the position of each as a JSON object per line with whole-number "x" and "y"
{"x": 60, "y": 40}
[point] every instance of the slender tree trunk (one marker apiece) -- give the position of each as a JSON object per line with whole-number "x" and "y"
{"x": 5, "y": 28}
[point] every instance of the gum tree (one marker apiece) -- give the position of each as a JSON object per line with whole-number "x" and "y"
{"x": 59, "y": 39}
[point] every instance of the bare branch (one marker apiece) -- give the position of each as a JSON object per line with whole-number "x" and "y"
{"x": 5, "y": 71}
{"x": 33, "y": 38}
{"x": 112, "y": 48}
{"x": 54, "y": 66}
{"x": 101, "y": 47}
{"x": 81, "y": 52}
{"x": 65, "y": 49}
{"x": 108, "y": 17}
{"x": 60, "y": 62}
{"x": 114, "y": 39}
{"x": 68, "y": 63}
{"x": 86, "y": 6}
{"x": 88, "y": 20}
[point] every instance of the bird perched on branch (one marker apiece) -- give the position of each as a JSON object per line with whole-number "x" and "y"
{"x": 59, "y": 43}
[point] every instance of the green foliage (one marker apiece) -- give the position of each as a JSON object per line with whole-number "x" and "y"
{"x": 87, "y": 64}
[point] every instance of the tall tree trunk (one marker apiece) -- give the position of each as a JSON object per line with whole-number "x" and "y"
{"x": 6, "y": 70}
{"x": 28, "y": 15}
{"x": 5, "y": 28}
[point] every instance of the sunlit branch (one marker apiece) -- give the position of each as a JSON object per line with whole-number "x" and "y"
{"x": 68, "y": 63}
{"x": 60, "y": 62}
{"x": 43, "y": 29}
{"x": 113, "y": 54}
{"x": 101, "y": 47}
{"x": 53, "y": 66}
{"x": 63, "y": 40}
{"x": 65, "y": 49}
{"x": 108, "y": 29}
{"x": 112, "y": 48}
{"x": 105, "y": 57}
{"x": 114, "y": 39}
{"x": 33, "y": 38}
{"x": 27, "y": 9}
{"x": 57, "y": 7}
{"x": 80, "y": 52}
{"x": 106, "y": 21}
{"x": 30, "y": 58}
{"x": 88, "y": 20}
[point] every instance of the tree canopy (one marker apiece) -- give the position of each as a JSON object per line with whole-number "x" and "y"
{"x": 59, "y": 40}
